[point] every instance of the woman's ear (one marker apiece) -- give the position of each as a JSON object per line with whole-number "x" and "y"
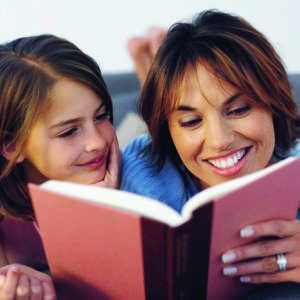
{"x": 8, "y": 149}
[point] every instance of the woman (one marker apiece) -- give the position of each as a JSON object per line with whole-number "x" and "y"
{"x": 218, "y": 105}
{"x": 56, "y": 123}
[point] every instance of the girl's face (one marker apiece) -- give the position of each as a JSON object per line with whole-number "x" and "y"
{"x": 71, "y": 139}
{"x": 219, "y": 134}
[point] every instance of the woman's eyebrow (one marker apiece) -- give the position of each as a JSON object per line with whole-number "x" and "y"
{"x": 185, "y": 108}
{"x": 232, "y": 98}
{"x": 227, "y": 102}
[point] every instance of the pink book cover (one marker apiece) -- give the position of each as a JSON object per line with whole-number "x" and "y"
{"x": 101, "y": 253}
{"x": 92, "y": 253}
{"x": 275, "y": 196}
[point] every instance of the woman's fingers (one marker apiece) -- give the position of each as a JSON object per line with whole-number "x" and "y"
{"x": 291, "y": 275}
{"x": 279, "y": 228}
{"x": 261, "y": 249}
{"x": 274, "y": 259}
{"x": 266, "y": 270}
{"x": 289, "y": 241}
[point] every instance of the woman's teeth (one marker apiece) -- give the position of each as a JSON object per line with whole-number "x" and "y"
{"x": 229, "y": 162}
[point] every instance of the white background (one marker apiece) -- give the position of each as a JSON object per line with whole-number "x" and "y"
{"x": 101, "y": 28}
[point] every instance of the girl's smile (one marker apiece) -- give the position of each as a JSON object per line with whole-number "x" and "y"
{"x": 71, "y": 140}
{"x": 95, "y": 163}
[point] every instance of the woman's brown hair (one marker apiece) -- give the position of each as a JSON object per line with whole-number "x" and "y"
{"x": 29, "y": 67}
{"x": 235, "y": 52}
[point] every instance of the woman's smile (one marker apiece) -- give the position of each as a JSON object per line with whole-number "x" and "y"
{"x": 219, "y": 133}
{"x": 230, "y": 164}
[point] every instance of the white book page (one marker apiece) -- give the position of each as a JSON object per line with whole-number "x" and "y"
{"x": 152, "y": 208}
{"x": 122, "y": 200}
{"x": 216, "y": 191}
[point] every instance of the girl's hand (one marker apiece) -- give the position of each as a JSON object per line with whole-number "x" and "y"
{"x": 263, "y": 266}
{"x": 111, "y": 178}
{"x": 19, "y": 282}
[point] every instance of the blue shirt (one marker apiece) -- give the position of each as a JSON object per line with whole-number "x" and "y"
{"x": 172, "y": 186}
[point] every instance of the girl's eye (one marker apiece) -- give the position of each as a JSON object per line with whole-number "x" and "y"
{"x": 191, "y": 123}
{"x": 240, "y": 111}
{"x": 68, "y": 133}
{"x": 102, "y": 116}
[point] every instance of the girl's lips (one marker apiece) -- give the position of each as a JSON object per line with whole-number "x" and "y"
{"x": 94, "y": 163}
{"x": 230, "y": 164}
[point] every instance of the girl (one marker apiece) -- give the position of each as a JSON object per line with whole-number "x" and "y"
{"x": 218, "y": 105}
{"x": 56, "y": 123}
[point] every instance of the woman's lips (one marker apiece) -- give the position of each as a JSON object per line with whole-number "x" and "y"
{"x": 231, "y": 164}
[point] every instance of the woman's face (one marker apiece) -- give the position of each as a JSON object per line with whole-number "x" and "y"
{"x": 219, "y": 134}
{"x": 71, "y": 139}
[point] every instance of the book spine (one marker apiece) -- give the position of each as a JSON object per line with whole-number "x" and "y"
{"x": 180, "y": 239}
{"x": 200, "y": 244}
{"x": 154, "y": 238}
{"x": 176, "y": 259}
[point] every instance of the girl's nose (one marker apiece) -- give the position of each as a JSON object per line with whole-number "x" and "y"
{"x": 94, "y": 140}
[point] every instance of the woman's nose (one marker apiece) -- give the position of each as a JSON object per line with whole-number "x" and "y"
{"x": 220, "y": 134}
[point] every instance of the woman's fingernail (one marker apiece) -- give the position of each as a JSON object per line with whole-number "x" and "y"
{"x": 229, "y": 270}
{"x": 245, "y": 279}
{"x": 247, "y": 232}
{"x": 228, "y": 257}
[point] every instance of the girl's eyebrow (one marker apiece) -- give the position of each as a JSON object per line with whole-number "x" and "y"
{"x": 72, "y": 121}
{"x": 100, "y": 107}
{"x": 228, "y": 101}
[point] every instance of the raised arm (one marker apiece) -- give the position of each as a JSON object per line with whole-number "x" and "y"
{"x": 142, "y": 50}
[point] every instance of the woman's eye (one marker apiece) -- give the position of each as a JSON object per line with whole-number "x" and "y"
{"x": 68, "y": 133}
{"x": 191, "y": 123}
{"x": 102, "y": 116}
{"x": 240, "y": 111}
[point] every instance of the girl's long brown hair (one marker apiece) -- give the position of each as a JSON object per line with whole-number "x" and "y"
{"x": 29, "y": 67}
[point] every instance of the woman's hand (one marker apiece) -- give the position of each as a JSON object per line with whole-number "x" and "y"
{"x": 19, "y": 282}
{"x": 264, "y": 267}
{"x": 111, "y": 178}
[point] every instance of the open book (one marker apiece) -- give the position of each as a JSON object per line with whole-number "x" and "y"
{"x": 109, "y": 244}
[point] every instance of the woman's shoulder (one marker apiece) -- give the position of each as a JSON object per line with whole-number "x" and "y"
{"x": 136, "y": 163}
{"x": 140, "y": 175}
{"x": 295, "y": 151}
{"x": 137, "y": 145}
